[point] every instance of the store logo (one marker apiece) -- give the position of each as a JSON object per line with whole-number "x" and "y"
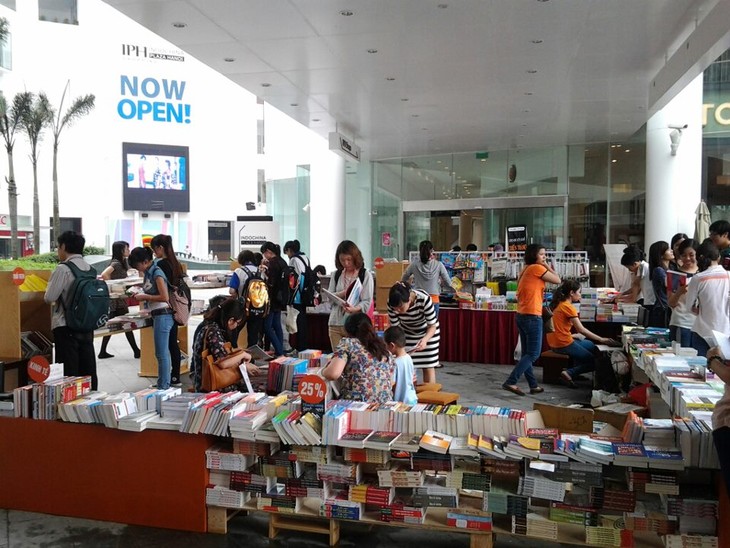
{"x": 145, "y": 52}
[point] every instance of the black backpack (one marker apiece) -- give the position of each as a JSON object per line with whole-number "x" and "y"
{"x": 255, "y": 295}
{"x": 87, "y": 308}
{"x": 284, "y": 288}
{"x": 360, "y": 275}
{"x": 309, "y": 284}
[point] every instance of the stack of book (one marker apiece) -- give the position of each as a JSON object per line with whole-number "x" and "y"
{"x": 281, "y": 465}
{"x": 41, "y": 400}
{"x": 136, "y": 422}
{"x": 380, "y": 440}
{"x": 338, "y": 507}
{"x": 462, "y": 479}
{"x": 347, "y": 473}
{"x": 435, "y": 493}
{"x": 535, "y": 525}
{"x": 251, "y": 482}
{"x": 426, "y": 460}
{"x": 277, "y": 501}
{"x": 463, "y": 518}
{"x": 696, "y": 516}
{"x": 281, "y": 373}
{"x": 612, "y": 500}
{"x": 372, "y": 456}
{"x": 307, "y": 485}
{"x": 541, "y": 488}
{"x": 645, "y": 481}
{"x": 435, "y": 441}
{"x": 578, "y": 472}
{"x": 222, "y": 457}
{"x": 595, "y": 451}
{"x": 609, "y": 536}
{"x": 691, "y": 541}
{"x": 225, "y": 497}
{"x": 629, "y": 454}
{"x": 499, "y": 501}
{"x": 256, "y": 448}
{"x": 400, "y": 477}
{"x": 403, "y": 514}
{"x": 314, "y": 454}
{"x": 371, "y": 494}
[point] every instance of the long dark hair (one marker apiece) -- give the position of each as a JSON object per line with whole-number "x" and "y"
{"x": 531, "y": 253}
{"x": 359, "y": 325}
{"x": 229, "y": 308}
{"x": 165, "y": 241}
{"x": 348, "y": 247}
{"x": 563, "y": 292}
{"x": 656, "y": 251}
{"x": 632, "y": 254}
{"x": 294, "y": 246}
{"x": 706, "y": 253}
{"x": 118, "y": 248}
{"x": 399, "y": 294}
{"x": 271, "y": 246}
{"x": 425, "y": 248}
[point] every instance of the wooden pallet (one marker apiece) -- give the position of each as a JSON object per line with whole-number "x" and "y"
{"x": 218, "y": 518}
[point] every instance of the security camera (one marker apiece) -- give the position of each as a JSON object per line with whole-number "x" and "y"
{"x": 675, "y": 136}
{"x": 677, "y": 127}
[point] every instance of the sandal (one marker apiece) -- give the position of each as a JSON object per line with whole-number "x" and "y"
{"x": 566, "y": 378}
{"x": 513, "y": 389}
{"x": 537, "y": 390}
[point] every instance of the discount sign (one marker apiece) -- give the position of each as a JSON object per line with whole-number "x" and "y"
{"x": 313, "y": 391}
{"x": 39, "y": 369}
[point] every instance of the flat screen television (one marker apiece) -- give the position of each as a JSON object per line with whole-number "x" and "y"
{"x": 156, "y": 177}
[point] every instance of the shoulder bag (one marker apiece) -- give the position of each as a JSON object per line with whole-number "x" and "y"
{"x": 215, "y": 377}
{"x": 547, "y": 319}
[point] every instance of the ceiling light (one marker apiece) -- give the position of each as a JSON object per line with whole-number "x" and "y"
{"x": 528, "y": 93}
{"x": 414, "y": 115}
{"x": 483, "y": 160}
{"x": 627, "y": 150}
{"x": 315, "y": 119}
{"x": 229, "y": 59}
{"x": 424, "y": 129}
{"x": 390, "y": 78}
{"x": 347, "y": 13}
{"x": 372, "y": 51}
{"x": 438, "y": 161}
{"x": 524, "y": 125}
{"x": 404, "y": 99}
{"x": 265, "y": 85}
{"x": 531, "y": 71}
{"x": 536, "y": 41}
{"x": 442, "y": 6}
{"x": 526, "y": 110}
{"x": 614, "y": 161}
{"x": 179, "y": 25}
{"x": 294, "y": 104}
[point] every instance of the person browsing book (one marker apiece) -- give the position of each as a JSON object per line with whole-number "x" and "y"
{"x": 220, "y": 326}
{"x": 117, "y": 270}
{"x": 413, "y": 310}
{"x": 660, "y": 257}
{"x": 640, "y": 290}
{"x": 362, "y": 363}
{"x": 565, "y": 322}
{"x": 236, "y": 287}
{"x": 427, "y": 272}
{"x": 530, "y": 294}
{"x": 299, "y": 262}
{"x": 682, "y": 320}
{"x": 166, "y": 259}
{"x": 403, "y": 387}
{"x": 707, "y": 294}
{"x": 717, "y": 363}
{"x": 155, "y": 298}
{"x": 272, "y": 268}
{"x": 353, "y": 284}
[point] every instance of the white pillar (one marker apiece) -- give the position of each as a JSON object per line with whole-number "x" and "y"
{"x": 674, "y": 183}
{"x": 326, "y": 209}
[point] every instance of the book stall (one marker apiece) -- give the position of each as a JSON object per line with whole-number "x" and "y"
{"x": 552, "y": 473}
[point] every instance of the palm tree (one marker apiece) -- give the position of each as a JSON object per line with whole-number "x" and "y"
{"x": 80, "y": 107}
{"x": 10, "y": 120}
{"x": 4, "y": 31}
{"x": 33, "y": 123}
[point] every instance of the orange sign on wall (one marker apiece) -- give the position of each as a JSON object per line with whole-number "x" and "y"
{"x": 18, "y": 276}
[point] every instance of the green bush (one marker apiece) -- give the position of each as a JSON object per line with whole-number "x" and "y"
{"x": 8, "y": 264}
{"x": 94, "y": 250}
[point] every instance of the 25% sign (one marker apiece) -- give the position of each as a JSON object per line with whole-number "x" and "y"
{"x": 313, "y": 391}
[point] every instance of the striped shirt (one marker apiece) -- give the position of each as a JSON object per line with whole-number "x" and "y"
{"x": 420, "y": 315}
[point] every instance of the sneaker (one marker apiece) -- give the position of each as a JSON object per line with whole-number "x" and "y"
{"x": 176, "y": 384}
{"x": 154, "y": 385}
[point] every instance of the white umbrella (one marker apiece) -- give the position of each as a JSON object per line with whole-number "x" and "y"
{"x": 702, "y": 222}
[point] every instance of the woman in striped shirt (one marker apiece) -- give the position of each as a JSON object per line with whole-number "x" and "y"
{"x": 413, "y": 310}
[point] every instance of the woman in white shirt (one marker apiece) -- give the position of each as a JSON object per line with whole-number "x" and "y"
{"x": 708, "y": 294}
{"x": 683, "y": 319}
{"x": 641, "y": 290}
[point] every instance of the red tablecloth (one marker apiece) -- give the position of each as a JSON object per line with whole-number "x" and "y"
{"x": 478, "y": 336}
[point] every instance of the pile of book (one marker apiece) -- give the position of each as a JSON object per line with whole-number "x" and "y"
{"x": 696, "y": 516}
{"x": 567, "y": 513}
{"x": 609, "y": 536}
{"x": 400, "y": 476}
{"x": 41, "y": 400}
{"x": 226, "y": 498}
{"x": 469, "y": 519}
{"x": 347, "y": 473}
{"x": 500, "y": 501}
{"x": 277, "y": 501}
{"x": 281, "y": 373}
{"x": 535, "y": 525}
{"x": 338, "y": 507}
{"x": 371, "y": 494}
{"x": 251, "y": 482}
{"x": 283, "y": 464}
{"x": 402, "y": 514}
{"x": 221, "y": 457}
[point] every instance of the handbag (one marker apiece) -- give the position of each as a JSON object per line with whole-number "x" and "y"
{"x": 215, "y": 377}
{"x": 547, "y": 319}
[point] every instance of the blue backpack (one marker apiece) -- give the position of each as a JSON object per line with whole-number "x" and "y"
{"x": 87, "y": 308}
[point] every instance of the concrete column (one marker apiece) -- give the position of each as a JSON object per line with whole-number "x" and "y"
{"x": 326, "y": 209}
{"x": 674, "y": 183}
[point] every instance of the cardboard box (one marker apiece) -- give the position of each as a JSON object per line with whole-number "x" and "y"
{"x": 568, "y": 420}
{"x": 615, "y": 414}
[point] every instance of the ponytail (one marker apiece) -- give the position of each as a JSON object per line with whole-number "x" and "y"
{"x": 563, "y": 292}
{"x": 359, "y": 326}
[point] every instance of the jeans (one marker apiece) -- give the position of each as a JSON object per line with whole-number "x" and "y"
{"x": 254, "y": 330}
{"x": 436, "y": 308}
{"x": 161, "y": 327}
{"x": 302, "y": 328}
{"x": 273, "y": 330}
{"x": 583, "y": 354}
{"x": 76, "y": 352}
{"x": 175, "y": 356}
{"x": 530, "y": 329}
{"x": 682, "y": 335}
{"x": 721, "y": 437}
{"x": 700, "y": 344}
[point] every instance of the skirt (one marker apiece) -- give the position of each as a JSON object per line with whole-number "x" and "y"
{"x": 428, "y": 357}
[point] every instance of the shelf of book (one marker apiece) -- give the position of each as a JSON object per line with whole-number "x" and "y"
{"x": 152, "y": 478}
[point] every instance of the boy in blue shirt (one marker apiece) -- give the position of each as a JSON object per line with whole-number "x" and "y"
{"x": 403, "y": 390}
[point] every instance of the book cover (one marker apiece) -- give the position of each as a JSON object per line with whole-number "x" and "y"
{"x": 675, "y": 280}
{"x": 435, "y": 441}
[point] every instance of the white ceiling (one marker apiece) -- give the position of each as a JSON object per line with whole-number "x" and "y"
{"x": 462, "y": 70}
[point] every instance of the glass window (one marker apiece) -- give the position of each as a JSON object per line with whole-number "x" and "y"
{"x": 6, "y": 52}
{"x": 58, "y": 11}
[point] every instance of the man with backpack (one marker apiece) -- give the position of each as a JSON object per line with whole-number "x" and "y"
{"x": 282, "y": 280}
{"x": 248, "y": 285}
{"x": 74, "y": 340}
{"x": 304, "y": 295}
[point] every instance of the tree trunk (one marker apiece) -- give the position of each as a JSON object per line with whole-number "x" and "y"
{"x": 13, "y": 203}
{"x": 56, "y": 219}
{"x": 36, "y": 211}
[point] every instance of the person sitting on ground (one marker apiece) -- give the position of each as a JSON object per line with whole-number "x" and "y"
{"x": 561, "y": 340}
{"x": 219, "y": 325}
{"x": 403, "y": 385}
{"x": 362, "y": 362}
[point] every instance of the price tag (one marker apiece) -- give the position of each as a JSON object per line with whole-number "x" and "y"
{"x": 18, "y": 276}
{"x": 38, "y": 368}
{"x": 313, "y": 390}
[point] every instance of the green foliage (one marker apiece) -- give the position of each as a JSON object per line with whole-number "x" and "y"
{"x": 94, "y": 250}
{"x": 28, "y": 264}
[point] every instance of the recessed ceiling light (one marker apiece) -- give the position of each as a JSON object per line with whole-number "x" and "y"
{"x": 537, "y": 41}
{"x": 526, "y": 110}
{"x": 404, "y": 99}
{"x": 390, "y": 78}
{"x": 483, "y": 160}
{"x": 438, "y": 161}
{"x": 531, "y": 71}
{"x": 442, "y": 6}
{"x": 524, "y": 125}
{"x": 179, "y": 25}
{"x": 265, "y": 85}
{"x": 315, "y": 119}
{"x": 371, "y": 50}
{"x": 424, "y": 129}
{"x": 627, "y": 150}
{"x": 528, "y": 93}
{"x": 541, "y": 1}
{"x": 293, "y": 104}
{"x": 614, "y": 161}
{"x": 347, "y": 13}
{"x": 414, "y": 115}
{"x": 521, "y": 135}
{"x": 229, "y": 59}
